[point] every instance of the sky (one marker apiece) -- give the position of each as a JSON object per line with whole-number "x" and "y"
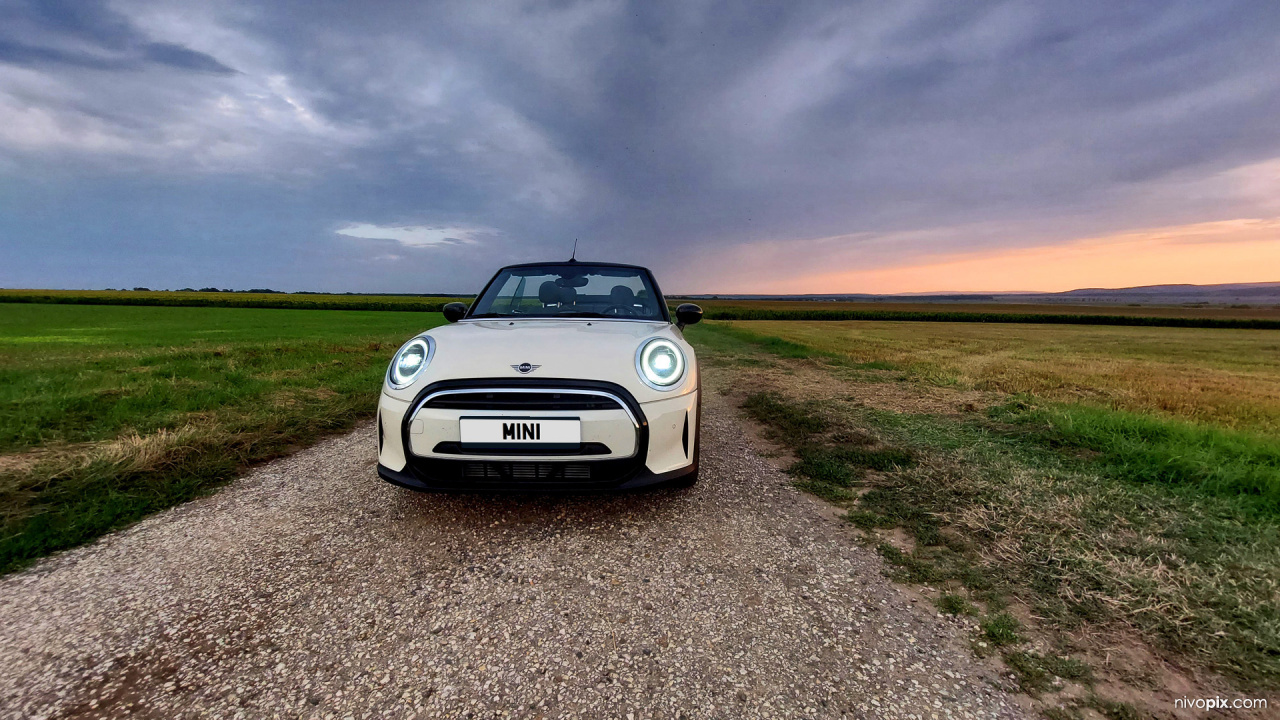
{"x": 798, "y": 147}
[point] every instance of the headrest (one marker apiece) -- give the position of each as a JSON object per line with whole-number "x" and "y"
{"x": 568, "y": 295}
{"x": 548, "y": 293}
{"x": 621, "y": 295}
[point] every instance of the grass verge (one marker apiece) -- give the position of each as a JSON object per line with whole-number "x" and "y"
{"x": 1242, "y": 466}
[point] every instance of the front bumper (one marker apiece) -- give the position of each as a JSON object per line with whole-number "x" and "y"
{"x": 627, "y": 445}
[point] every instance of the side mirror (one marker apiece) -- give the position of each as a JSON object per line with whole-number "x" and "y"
{"x": 453, "y": 312}
{"x": 688, "y": 314}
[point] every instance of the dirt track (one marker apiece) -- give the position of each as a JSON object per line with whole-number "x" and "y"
{"x": 312, "y": 589}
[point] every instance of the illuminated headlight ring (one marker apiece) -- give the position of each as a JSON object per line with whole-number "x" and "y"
{"x": 660, "y": 363}
{"x": 410, "y": 361}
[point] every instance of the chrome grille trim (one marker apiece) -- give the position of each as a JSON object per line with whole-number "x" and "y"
{"x": 562, "y": 391}
{"x": 534, "y": 400}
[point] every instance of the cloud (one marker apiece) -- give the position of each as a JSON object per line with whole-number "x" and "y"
{"x": 177, "y": 56}
{"x": 720, "y": 144}
{"x": 417, "y": 236}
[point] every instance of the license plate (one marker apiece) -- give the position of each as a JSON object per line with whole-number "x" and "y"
{"x": 508, "y": 432}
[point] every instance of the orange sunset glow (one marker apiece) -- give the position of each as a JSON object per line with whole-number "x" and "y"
{"x": 1243, "y": 250}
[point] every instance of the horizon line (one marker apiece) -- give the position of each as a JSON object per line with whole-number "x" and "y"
{"x": 707, "y": 294}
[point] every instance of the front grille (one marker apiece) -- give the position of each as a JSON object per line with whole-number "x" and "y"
{"x": 522, "y": 400}
{"x": 525, "y": 471}
{"x": 531, "y": 472}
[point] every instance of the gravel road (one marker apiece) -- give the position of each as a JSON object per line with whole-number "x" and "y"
{"x": 310, "y": 588}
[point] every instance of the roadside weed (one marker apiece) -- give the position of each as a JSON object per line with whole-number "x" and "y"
{"x": 953, "y": 604}
{"x": 1002, "y": 629}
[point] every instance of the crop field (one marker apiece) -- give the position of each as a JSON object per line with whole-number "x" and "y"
{"x": 1240, "y": 312}
{"x": 108, "y": 413}
{"x": 1243, "y": 317}
{"x": 300, "y": 301}
{"x": 1109, "y": 495}
{"x": 1250, "y": 316}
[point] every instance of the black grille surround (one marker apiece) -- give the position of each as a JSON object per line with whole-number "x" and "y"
{"x": 578, "y": 473}
{"x": 455, "y": 448}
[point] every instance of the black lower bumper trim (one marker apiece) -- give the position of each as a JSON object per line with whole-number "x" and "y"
{"x": 457, "y": 481}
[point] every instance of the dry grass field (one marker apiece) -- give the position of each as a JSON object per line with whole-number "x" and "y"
{"x": 1222, "y": 376}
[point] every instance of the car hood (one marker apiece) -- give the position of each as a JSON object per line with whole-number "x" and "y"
{"x": 561, "y": 349}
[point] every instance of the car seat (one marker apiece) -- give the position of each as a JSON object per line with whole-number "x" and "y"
{"x": 548, "y": 293}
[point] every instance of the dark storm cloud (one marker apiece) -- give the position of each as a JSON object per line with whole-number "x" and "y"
{"x": 177, "y": 56}
{"x": 654, "y": 132}
{"x": 87, "y": 34}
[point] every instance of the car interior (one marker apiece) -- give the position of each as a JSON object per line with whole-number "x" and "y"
{"x": 596, "y": 292}
{"x": 621, "y": 301}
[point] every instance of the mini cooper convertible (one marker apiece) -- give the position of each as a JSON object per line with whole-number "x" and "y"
{"x": 560, "y": 376}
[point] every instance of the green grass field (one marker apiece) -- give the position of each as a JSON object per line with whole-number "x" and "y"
{"x": 1109, "y": 483}
{"x": 108, "y": 413}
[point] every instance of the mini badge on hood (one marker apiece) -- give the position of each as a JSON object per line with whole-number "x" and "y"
{"x": 525, "y": 368}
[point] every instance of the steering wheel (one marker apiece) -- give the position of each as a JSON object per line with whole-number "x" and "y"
{"x": 620, "y": 310}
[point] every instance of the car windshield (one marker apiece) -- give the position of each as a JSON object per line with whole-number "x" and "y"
{"x": 570, "y": 290}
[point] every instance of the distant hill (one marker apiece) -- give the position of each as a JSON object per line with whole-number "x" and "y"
{"x": 1266, "y": 293}
{"x": 1263, "y": 293}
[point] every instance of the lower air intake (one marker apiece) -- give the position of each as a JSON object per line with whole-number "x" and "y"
{"x": 525, "y": 471}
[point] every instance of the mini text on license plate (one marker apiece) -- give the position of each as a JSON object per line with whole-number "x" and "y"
{"x": 508, "y": 431}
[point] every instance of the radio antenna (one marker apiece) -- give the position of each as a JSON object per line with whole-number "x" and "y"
{"x": 574, "y": 256}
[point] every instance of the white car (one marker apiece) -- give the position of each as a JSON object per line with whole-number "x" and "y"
{"x": 561, "y": 376}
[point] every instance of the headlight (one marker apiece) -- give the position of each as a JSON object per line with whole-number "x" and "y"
{"x": 410, "y": 361}
{"x": 660, "y": 363}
